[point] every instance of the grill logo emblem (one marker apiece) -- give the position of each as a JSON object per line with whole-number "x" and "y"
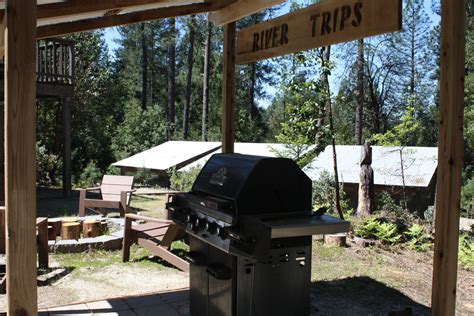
{"x": 220, "y": 177}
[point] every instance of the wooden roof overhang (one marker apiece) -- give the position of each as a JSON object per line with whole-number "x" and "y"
{"x": 56, "y": 17}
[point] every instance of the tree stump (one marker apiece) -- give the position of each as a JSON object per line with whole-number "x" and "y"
{"x": 338, "y": 240}
{"x": 51, "y": 232}
{"x": 91, "y": 228}
{"x": 56, "y": 223}
{"x": 71, "y": 230}
{"x": 366, "y": 201}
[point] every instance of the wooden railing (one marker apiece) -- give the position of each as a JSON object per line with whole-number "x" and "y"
{"x": 55, "y": 61}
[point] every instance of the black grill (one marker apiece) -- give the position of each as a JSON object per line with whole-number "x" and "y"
{"x": 250, "y": 224}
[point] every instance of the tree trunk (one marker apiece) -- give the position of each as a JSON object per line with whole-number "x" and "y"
{"x": 366, "y": 200}
{"x": 144, "y": 67}
{"x": 205, "y": 84}
{"x": 189, "y": 77}
{"x": 252, "y": 90}
{"x": 326, "y": 59}
{"x": 360, "y": 92}
{"x": 171, "y": 78}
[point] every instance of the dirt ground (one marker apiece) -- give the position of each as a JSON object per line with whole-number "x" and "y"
{"x": 363, "y": 281}
{"x": 345, "y": 281}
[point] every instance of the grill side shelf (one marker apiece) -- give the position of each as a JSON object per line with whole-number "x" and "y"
{"x": 304, "y": 225}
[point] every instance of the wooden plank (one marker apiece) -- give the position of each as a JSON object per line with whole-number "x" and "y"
{"x": 164, "y": 254}
{"x": 130, "y": 18}
{"x": 322, "y": 24}
{"x": 240, "y": 9}
{"x": 450, "y": 157}
{"x": 20, "y": 155}
{"x": 228, "y": 93}
{"x": 78, "y": 7}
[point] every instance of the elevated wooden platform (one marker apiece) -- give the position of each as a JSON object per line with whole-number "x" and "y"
{"x": 54, "y": 79}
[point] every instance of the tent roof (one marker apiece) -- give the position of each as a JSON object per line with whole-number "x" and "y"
{"x": 257, "y": 149}
{"x": 419, "y": 165}
{"x": 168, "y": 155}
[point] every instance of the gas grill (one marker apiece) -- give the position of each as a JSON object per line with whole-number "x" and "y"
{"x": 250, "y": 223}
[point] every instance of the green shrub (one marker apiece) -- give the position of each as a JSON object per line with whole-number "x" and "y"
{"x": 48, "y": 166}
{"x": 467, "y": 195}
{"x": 324, "y": 194}
{"x": 466, "y": 251}
{"x": 419, "y": 240}
{"x": 385, "y": 202}
{"x": 90, "y": 177}
{"x": 373, "y": 228}
{"x": 387, "y": 233}
{"x": 368, "y": 228}
{"x": 183, "y": 180}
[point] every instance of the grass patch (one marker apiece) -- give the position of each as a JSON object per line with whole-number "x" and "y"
{"x": 152, "y": 206}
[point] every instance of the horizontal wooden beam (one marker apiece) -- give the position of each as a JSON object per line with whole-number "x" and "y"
{"x": 77, "y": 7}
{"x": 240, "y": 9}
{"x": 130, "y": 18}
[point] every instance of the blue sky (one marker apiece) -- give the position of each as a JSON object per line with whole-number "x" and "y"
{"x": 111, "y": 35}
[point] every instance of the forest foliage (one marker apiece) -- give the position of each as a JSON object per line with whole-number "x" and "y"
{"x": 164, "y": 82}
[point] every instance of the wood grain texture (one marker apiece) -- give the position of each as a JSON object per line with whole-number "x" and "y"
{"x": 20, "y": 155}
{"x": 228, "y": 93}
{"x": 75, "y": 7}
{"x": 130, "y": 18}
{"x": 450, "y": 157}
{"x": 321, "y": 24}
{"x": 240, "y": 9}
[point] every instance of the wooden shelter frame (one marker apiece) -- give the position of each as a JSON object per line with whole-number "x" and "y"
{"x": 26, "y": 20}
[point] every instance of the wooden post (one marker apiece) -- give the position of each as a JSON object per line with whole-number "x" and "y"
{"x": 228, "y": 79}
{"x": 20, "y": 155}
{"x": 66, "y": 107}
{"x": 450, "y": 151}
{"x": 127, "y": 239}
{"x": 42, "y": 240}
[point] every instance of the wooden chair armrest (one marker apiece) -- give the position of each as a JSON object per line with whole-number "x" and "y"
{"x": 148, "y": 219}
{"x": 129, "y": 191}
{"x": 91, "y": 189}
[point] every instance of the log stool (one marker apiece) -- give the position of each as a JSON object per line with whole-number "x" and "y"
{"x": 71, "y": 230}
{"x": 91, "y": 228}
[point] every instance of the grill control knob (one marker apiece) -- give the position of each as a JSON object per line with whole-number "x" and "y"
{"x": 199, "y": 224}
{"x": 213, "y": 228}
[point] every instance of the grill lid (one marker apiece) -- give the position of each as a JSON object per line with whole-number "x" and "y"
{"x": 256, "y": 184}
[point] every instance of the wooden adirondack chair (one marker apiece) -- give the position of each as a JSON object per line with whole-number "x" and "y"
{"x": 156, "y": 235}
{"x": 116, "y": 192}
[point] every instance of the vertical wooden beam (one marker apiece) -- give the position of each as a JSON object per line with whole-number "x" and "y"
{"x": 228, "y": 79}
{"x": 20, "y": 155}
{"x": 67, "y": 117}
{"x": 450, "y": 151}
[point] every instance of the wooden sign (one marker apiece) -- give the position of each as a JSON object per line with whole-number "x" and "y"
{"x": 322, "y": 24}
{"x": 240, "y": 9}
